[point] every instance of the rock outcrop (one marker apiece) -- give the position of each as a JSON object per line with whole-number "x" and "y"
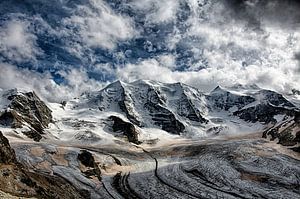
{"x": 223, "y": 99}
{"x": 88, "y": 160}
{"x": 287, "y": 132}
{"x": 7, "y": 154}
{"x": 26, "y": 109}
{"x": 127, "y": 128}
{"x": 17, "y": 180}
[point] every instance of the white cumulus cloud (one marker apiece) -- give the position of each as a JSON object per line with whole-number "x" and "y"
{"x": 100, "y": 26}
{"x": 17, "y": 42}
{"x": 77, "y": 82}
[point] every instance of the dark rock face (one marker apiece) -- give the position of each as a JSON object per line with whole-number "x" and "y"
{"x": 162, "y": 116}
{"x": 27, "y": 108}
{"x": 33, "y": 134}
{"x": 217, "y": 130}
{"x": 187, "y": 109}
{"x": 262, "y": 113}
{"x": 7, "y": 154}
{"x": 32, "y": 108}
{"x": 86, "y": 158}
{"x": 11, "y": 118}
{"x": 168, "y": 122}
{"x": 127, "y": 128}
{"x": 287, "y": 132}
{"x": 225, "y": 100}
{"x": 295, "y": 92}
{"x": 275, "y": 99}
{"x": 270, "y": 104}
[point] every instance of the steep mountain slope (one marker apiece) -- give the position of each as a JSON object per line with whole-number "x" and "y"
{"x": 180, "y": 109}
{"x": 25, "y": 110}
{"x": 276, "y": 113}
{"x": 152, "y": 104}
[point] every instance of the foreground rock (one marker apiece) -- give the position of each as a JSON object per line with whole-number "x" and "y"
{"x": 7, "y": 154}
{"x": 17, "y": 180}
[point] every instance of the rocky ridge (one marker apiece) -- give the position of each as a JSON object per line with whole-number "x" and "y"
{"x": 25, "y": 109}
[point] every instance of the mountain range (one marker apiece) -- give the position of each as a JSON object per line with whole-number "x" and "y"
{"x": 174, "y": 109}
{"x": 147, "y": 139}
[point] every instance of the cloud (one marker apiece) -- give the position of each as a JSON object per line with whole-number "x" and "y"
{"x": 279, "y": 79}
{"x": 284, "y": 14}
{"x": 201, "y": 43}
{"x": 157, "y": 11}
{"x": 99, "y": 26}
{"x": 17, "y": 42}
{"x": 77, "y": 82}
{"x": 147, "y": 69}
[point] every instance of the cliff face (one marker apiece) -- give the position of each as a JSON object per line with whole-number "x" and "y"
{"x": 26, "y": 109}
{"x": 7, "y": 154}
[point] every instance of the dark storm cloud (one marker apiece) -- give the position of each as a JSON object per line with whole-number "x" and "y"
{"x": 275, "y": 12}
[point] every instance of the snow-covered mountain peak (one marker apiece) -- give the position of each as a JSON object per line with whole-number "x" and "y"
{"x": 172, "y": 108}
{"x": 6, "y": 96}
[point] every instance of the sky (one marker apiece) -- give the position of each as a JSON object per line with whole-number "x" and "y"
{"x": 61, "y": 48}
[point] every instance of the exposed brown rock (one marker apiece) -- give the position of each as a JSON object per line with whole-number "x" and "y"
{"x": 17, "y": 180}
{"x": 7, "y": 154}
